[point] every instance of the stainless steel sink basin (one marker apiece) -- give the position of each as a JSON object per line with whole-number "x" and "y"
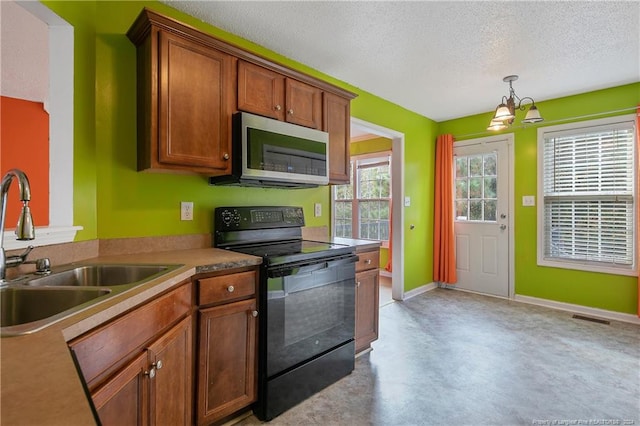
{"x": 100, "y": 275}
{"x": 20, "y": 305}
{"x": 34, "y": 302}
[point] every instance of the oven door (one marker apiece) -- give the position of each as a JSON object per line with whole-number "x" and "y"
{"x": 310, "y": 311}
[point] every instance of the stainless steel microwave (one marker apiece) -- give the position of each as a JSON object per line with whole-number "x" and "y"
{"x": 268, "y": 152}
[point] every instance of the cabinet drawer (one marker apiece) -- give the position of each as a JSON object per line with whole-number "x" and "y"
{"x": 100, "y": 351}
{"x": 226, "y": 287}
{"x": 368, "y": 260}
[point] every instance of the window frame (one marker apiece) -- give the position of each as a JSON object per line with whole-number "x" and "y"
{"x": 355, "y": 217}
{"x": 585, "y": 265}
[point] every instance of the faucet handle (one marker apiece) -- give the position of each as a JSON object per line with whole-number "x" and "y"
{"x": 12, "y": 261}
{"x": 24, "y": 254}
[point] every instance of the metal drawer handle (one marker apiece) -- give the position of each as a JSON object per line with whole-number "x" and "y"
{"x": 358, "y": 284}
{"x": 367, "y": 262}
{"x": 230, "y": 289}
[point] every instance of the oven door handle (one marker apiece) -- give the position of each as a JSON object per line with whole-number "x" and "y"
{"x": 308, "y": 268}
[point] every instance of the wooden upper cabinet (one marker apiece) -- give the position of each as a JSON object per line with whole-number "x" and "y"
{"x": 186, "y": 98}
{"x": 190, "y": 84}
{"x": 271, "y": 94}
{"x": 195, "y": 106}
{"x": 337, "y": 122}
{"x": 304, "y": 104}
{"x": 260, "y": 91}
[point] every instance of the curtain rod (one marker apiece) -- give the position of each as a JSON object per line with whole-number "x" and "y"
{"x": 486, "y": 132}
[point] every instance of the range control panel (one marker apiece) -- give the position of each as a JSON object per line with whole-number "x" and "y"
{"x": 244, "y": 218}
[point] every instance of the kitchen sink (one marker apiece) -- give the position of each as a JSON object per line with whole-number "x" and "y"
{"x": 33, "y": 302}
{"x": 100, "y": 275}
{"x": 20, "y": 305}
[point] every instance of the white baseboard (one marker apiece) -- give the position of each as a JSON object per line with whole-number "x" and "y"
{"x": 385, "y": 273}
{"x": 579, "y": 309}
{"x": 416, "y": 291}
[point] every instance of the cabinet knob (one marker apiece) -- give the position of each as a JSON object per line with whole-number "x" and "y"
{"x": 290, "y": 112}
{"x": 225, "y": 155}
{"x": 277, "y": 107}
{"x": 358, "y": 284}
{"x": 254, "y": 313}
{"x": 151, "y": 373}
{"x": 367, "y": 262}
{"x": 230, "y": 289}
{"x": 157, "y": 365}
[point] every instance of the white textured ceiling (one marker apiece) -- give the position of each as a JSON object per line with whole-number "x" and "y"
{"x": 445, "y": 59}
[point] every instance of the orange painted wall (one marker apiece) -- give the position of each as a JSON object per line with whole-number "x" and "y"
{"x": 24, "y": 144}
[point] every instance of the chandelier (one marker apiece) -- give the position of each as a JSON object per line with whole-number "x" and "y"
{"x": 506, "y": 111}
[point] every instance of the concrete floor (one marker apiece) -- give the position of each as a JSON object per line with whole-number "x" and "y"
{"x": 453, "y": 358}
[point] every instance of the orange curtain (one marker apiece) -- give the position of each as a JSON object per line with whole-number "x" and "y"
{"x": 637, "y": 202}
{"x": 444, "y": 255}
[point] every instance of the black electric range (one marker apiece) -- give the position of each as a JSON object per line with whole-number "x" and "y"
{"x": 306, "y": 303}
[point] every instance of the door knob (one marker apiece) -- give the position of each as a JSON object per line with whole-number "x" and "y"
{"x": 503, "y": 216}
{"x": 503, "y": 227}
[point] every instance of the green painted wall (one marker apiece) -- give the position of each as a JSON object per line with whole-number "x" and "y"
{"x": 605, "y": 291}
{"x": 113, "y": 200}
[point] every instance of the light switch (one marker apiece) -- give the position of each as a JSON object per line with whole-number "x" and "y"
{"x": 528, "y": 200}
{"x": 407, "y": 201}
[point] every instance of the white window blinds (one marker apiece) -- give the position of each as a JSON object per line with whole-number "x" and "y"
{"x": 588, "y": 189}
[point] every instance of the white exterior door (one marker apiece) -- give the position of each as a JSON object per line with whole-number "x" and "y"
{"x": 482, "y": 215}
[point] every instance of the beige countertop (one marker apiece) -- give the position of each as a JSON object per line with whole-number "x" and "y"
{"x": 38, "y": 379}
{"x": 360, "y": 245}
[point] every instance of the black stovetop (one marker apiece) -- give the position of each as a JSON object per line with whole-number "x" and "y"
{"x": 277, "y": 253}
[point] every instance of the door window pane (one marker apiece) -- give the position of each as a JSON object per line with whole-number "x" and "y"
{"x": 476, "y": 192}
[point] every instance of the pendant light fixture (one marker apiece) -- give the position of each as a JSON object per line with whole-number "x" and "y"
{"x": 506, "y": 111}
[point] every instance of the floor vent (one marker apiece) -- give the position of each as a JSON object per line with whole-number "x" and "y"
{"x": 585, "y": 318}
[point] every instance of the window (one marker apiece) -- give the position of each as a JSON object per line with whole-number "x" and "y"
{"x": 367, "y": 214}
{"x": 476, "y": 187}
{"x": 588, "y": 198}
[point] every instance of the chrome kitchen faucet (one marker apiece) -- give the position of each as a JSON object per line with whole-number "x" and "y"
{"x": 25, "y": 229}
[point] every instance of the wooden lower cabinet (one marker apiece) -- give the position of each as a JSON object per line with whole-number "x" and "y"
{"x": 227, "y": 343}
{"x": 227, "y": 359}
{"x": 139, "y": 367}
{"x": 154, "y": 388}
{"x": 367, "y": 298}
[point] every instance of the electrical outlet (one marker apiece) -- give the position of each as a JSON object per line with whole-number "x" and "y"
{"x": 528, "y": 200}
{"x": 186, "y": 210}
{"x": 317, "y": 209}
{"x": 407, "y": 201}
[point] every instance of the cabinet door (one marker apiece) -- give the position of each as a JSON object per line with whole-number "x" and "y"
{"x": 260, "y": 91}
{"x": 170, "y": 392}
{"x": 337, "y": 121}
{"x": 304, "y": 104}
{"x": 227, "y": 360}
{"x": 123, "y": 399}
{"x": 367, "y": 300}
{"x": 195, "y": 105}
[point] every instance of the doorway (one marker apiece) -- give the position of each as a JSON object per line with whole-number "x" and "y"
{"x": 393, "y": 281}
{"x": 484, "y": 215}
